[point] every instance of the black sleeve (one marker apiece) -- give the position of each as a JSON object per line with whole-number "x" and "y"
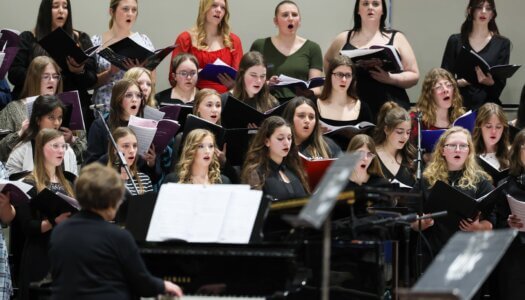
{"x": 18, "y": 70}
{"x": 172, "y": 177}
{"x": 335, "y": 150}
{"x": 97, "y": 142}
{"x": 451, "y": 51}
{"x": 494, "y": 91}
{"x": 483, "y": 188}
{"x": 89, "y": 78}
{"x": 138, "y": 277}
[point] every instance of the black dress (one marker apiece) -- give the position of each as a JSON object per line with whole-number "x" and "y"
{"x": 94, "y": 259}
{"x": 164, "y": 98}
{"x": 71, "y": 82}
{"x": 403, "y": 175}
{"x": 333, "y": 149}
{"x": 277, "y": 189}
{"x": 496, "y": 52}
{"x": 34, "y": 265}
{"x": 373, "y": 92}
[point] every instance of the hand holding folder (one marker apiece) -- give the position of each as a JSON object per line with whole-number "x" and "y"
{"x": 53, "y": 205}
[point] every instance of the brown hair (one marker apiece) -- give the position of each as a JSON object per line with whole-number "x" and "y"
{"x": 361, "y": 140}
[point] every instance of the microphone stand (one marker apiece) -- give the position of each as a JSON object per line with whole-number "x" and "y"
{"x": 120, "y": 156}
{"x": 419, "y": 248}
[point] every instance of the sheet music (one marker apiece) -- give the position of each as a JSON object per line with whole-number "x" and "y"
{"x": 72, "y": 201}
{"x": 145, "y": 131}
{"x": 517, "y": 208}
{"x": 29, "y": 105}
{"x": 153, "y": 114}
{"x": 198, "y": 213}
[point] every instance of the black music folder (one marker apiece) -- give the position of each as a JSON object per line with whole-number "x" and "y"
{"x": 60, "y": 45}
{"x": 237, "y": 114}
{"x": 497, "y": 175}
{"x": 458, "y": 205}
{"x": 383, "y": 56}
{"x": 342, "y": 135}
{"x": 52, "y": 205}
{"x": 73, "y": 117}
{"x": 127, "y": 48}
{"x": 194, "y": 122}
{"x": 467, "y": 61}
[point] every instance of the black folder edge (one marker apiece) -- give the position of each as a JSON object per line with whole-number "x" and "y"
{"x": 42, "y": 200}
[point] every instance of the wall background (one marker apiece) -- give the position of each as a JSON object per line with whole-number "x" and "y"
{"x": 426, "y": 23}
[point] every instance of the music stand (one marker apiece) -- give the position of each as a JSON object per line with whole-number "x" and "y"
{"x": 462, "y": 266}
{"x": 317, "y": 211}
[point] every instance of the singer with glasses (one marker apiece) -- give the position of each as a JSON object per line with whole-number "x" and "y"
{"x": 338, "y": 103}
{"x": 376, "y": 86}
{"x": 184, "y": 70}
{"x": 47, "y": 113}
{"x": 453, "y": 162}
{"x": 126, "y": 101}
{"x": 479, "y": 33}
{"x": 50, "y": 151}
{"x": 439, "y": 104}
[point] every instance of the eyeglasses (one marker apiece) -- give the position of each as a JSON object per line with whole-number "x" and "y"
{"x": 131, "y": 95}
{"x": 59, "y": 146}
{"x": 453, "y": 147}
{"x": 374, "y": 3}
{"x": 368, "y": 155}
{"x": 47, "y": 77}
{"x": 128, "y": 9}
{"x": 440, "y": 88}
{"x": 342, "y": 75}
{"x": 186, "y": 74}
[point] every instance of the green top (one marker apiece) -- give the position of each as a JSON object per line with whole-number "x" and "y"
{"x": 297, "y": 65}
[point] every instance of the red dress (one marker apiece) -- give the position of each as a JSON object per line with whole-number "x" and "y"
{"x": 231, "y": 56}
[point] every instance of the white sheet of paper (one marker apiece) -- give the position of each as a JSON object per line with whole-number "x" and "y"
{"x": 517, "y": 208}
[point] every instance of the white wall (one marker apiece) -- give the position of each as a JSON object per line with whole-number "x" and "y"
{"x": 427, "y": 24}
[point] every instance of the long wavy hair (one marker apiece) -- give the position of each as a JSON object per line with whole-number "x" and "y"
{"x": 42, "y": 106}
{"x": 389, "y": 117}
{"x": 485, "y": 112}
{"x": 118, "y": 133}
{"x": 317, "y": 146}
{"x": 339, "y": 60}
{"x": 134, "y": 74}
{"x": 191, "y": 145}
{"x": 200, "y": 25}
{"x": 361, "y": 140}
{"x": 34, "y": 73}
{"x": 263, "y": 99}
{"x": 426, "y": 103}
{"x": 200, "y": 96}
{"x": 437, "y": 169}
{"x": 115, "y": 106}
{"x": 466, "y": 27}
{"x": 39, "y": 173}
{"x": 44, "y": 22}
{"x": 113, "y": 5}
{"x": 256, "y": 165}
{"x": 517, "y": 167}
{"x": 382, "y": 23}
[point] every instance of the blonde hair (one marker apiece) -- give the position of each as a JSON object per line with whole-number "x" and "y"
{"x": 134, "y": 74}
{"x": 426, "y": 103}
{"x": 191, "y": 145}
{"x": 485, "y": 112}
{"x": 118, "y": 133}
{"x": 39, "y": 174}
{"x": 200, "y": 25}
{"x": 437, "y": 169}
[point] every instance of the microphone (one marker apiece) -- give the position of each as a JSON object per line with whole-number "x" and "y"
{"x": 98, "y": 106}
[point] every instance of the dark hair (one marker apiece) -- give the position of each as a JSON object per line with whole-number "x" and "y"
{"x": 42, "y": 106}
{"x": 339, "y": 60}
{"x": 516, "y": 167}
{"x": 520, "y": 121}
{"x": 357, "y": 18}
{"x": 182, "y": 57}
{"x": 117, "y": 96}
{"x": 485, "y": 112}
{"x": 99, "y": 187}
{"x": 466, "y": 27}
{"x": 44, "y": 22}
{"x": 283, "y": 3}
{"x": 256, "y": 165}
{"x": 263, "y": 99}
{"x": 317, "y": 147}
